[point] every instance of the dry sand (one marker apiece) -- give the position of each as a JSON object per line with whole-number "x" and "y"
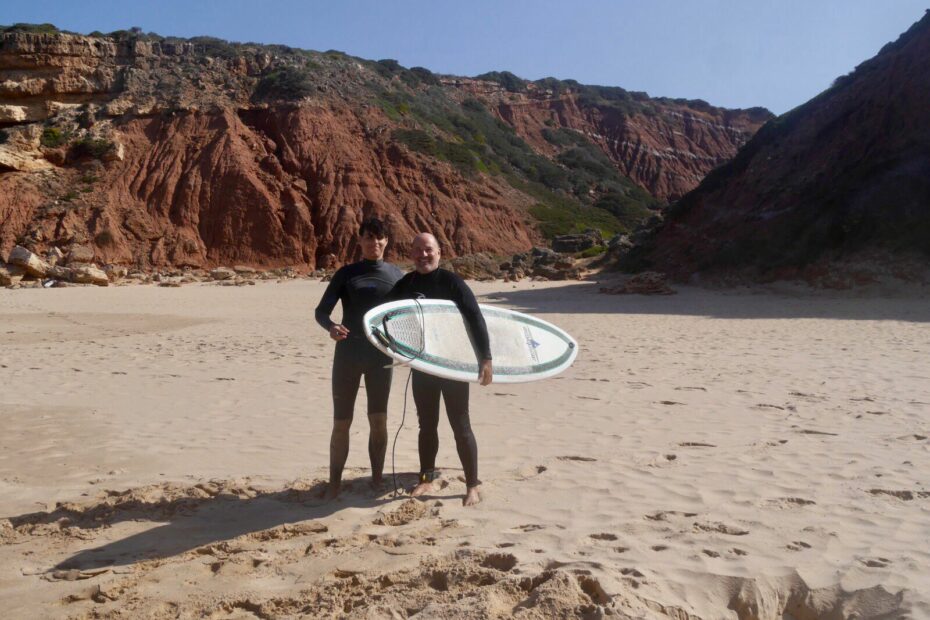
{"x": 710, "y": 455}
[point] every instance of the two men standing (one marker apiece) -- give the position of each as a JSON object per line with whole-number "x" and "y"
{"x": 362, "y": 286}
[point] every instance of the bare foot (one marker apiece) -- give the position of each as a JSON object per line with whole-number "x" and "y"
{"x": 472, "y": 497}
{"x": 421, "y": 489}
{"x": 331, "y": 492}
{"x": 377, "y": 486}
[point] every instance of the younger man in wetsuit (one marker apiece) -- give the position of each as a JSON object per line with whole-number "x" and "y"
{"x": 360, "y": 286}
{"x": 428, "y": 281}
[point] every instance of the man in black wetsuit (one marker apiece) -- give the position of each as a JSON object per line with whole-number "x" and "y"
{"x": 360, "y": 286}
{"x": 428, "y": 281}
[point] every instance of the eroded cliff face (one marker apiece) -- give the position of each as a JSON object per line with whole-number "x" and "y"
{"x": 665, "y": 146}
{"x": 199, "y": 176}
{"x": 159, "y": 154}
{"x": 847, "y": 174}
{"x": 264, "y": 187}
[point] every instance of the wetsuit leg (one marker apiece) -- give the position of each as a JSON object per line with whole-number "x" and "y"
{"x": 347, "y": 374}
{"x": 426, "y": 392}
{"x": 378, "y": 375}
{"x": 455, "y": 397}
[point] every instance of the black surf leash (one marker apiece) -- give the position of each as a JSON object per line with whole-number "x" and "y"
{"x": 389, "y": 341}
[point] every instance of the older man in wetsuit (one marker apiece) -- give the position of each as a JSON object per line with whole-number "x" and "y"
{"x": 428, "y": 281}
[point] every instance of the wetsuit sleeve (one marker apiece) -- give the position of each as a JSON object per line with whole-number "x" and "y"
{"x": 468, "y": 306}
{"x": 328, "y": 302}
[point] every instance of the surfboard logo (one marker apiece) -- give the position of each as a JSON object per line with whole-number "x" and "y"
{"x": 531, "y": 343}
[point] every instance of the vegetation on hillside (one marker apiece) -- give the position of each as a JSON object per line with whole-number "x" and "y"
{"x": 578, "y": 189}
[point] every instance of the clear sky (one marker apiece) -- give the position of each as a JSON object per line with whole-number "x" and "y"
{"x": 732, "y": 53}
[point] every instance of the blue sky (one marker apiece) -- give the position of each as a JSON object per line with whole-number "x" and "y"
{"x": 733, "y": 53}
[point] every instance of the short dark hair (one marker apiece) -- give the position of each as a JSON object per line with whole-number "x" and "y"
{"x": 374, "y": 226}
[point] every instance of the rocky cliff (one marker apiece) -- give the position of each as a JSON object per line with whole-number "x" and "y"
{"x": 665, "y": 146}
{"x": 149, "y": 151}
{"x": 845, "y": 175}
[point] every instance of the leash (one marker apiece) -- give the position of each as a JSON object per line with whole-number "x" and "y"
{"x": 403, "y": 417}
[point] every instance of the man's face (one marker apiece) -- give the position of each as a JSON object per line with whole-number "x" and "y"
{"x": 372, "y": 246}
{"x": 425, "y": 254}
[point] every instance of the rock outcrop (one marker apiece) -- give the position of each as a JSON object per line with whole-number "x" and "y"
{"x": 845, "y": 175}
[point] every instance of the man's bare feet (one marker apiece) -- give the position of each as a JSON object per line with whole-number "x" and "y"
{"x": 472, "y": 496}
{"x": 421, "y": 489}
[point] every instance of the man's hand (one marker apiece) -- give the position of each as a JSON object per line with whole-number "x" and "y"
{"x": 485, "y": 373}
{"x": 338, "y": 332}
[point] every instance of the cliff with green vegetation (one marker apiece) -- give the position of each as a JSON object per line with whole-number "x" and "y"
{"x": 156, "y": 150}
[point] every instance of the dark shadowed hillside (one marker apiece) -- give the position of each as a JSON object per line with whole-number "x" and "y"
{"x": 845, "y": 175}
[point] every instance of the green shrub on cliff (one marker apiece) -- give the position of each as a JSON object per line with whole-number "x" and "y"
{"x": 31, "y": 28}
{"x": 506, "y": 79}
{"x": 217, "y": 48}
{"x": 91, "y": 147}
{"x": 53, "y": 137}
{"x": 287, "y": 83}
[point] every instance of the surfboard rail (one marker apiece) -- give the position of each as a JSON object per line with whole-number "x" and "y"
{"x": 430, "y": 335}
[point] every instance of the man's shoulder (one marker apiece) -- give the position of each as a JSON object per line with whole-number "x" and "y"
{"x": 404, "y": 277}
{"x": 395, "y": 270}
{"x": 452, "y": 277}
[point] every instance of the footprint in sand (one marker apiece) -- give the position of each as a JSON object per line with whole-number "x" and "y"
{"x": 902, "y": 495}
{"x": 688, "y": 388}
{"x": 696, "y": 444}
{"x": 797, "y": 545}
{"x": 669, "y": 402}
{"x": 710, "y": 553}
{"x": 583, "y": 459}
{"x": 604, "y": 536}
{"x": 527, "y": 473}
{"x": 788, "y": 502}
{"x": 530, "y": 527}
{"x": 659, "y": 547}
{"x": 807, "y": 431}
{"x": 767, "y": 406}
{"x": 876, "y": 562}
{"x": 720, "y": 528}
{"x": 503, "y": 562}
{"x": 663, "y": 515}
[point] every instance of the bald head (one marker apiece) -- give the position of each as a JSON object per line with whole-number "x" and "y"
{"x": 425, "y": 253}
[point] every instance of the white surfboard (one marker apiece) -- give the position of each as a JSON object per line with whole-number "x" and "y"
{"x": 430, "y": 335}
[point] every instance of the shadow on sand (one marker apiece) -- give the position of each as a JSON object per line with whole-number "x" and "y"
{"x": 585, "y": 298}
{"x": 194, "y": 522}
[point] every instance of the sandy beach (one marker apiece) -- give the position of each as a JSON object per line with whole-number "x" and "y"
{"x": 712, "y": 454}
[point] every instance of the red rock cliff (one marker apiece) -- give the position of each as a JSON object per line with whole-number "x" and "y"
{"x": 158, "y": 153}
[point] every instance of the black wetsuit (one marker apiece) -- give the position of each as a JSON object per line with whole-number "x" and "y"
{"x": 442, "y": 284}
{"x": 360, "y": 286}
